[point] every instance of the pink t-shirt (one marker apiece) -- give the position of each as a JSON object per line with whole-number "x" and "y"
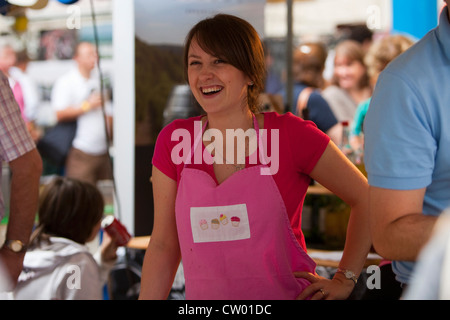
{"x": 301, "y": 145}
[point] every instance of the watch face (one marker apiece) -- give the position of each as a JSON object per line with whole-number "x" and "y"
{"x": 348, "y": 274}
{"x": 16, "y": 246}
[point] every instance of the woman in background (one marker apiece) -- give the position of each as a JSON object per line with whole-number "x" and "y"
{"x": 308, "y": 65}
{"x": 378, "y": 57}
{"x": 350, "y": 84}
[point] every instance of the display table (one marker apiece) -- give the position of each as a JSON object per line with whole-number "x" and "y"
{"x": 138, "y": 243}
{"x": 323, "y": 258}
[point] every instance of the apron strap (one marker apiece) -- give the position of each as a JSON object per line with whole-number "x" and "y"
{"x": 197, "y": 140}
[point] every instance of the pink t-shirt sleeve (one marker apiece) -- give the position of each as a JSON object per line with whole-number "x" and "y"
{"x": 171, "y": 146}
{"x": 306, "y": 143}
{"x": 162, "y": 154}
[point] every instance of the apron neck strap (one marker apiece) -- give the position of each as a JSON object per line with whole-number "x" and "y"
{"x": 255, "y": 126}
{"x": 198, "y": 138}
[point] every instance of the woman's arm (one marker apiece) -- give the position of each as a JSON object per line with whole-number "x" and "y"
{"x": 163, "y": 253}
{"x": 335, "y": 172}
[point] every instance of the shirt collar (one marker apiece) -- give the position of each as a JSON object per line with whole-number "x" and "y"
{"x": 443, "y": 31}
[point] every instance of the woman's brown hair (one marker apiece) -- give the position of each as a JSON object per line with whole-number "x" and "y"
{"x": 235, "y": 41}
{"x": 70, "y": 209}
{"x": 308, "y": 64}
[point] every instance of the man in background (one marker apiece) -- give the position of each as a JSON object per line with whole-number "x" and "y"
{"x": 77, "y": 96}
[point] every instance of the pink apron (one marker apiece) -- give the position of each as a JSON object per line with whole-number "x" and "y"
{"x": 235, "y": 238}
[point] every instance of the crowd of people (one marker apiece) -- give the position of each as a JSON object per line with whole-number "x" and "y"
{"x": 342, "y": 101}
{"x": 70, "y": 207}
{"x": 234, "y": 223}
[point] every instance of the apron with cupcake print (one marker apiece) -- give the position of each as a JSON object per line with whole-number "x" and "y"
{"x": 235, "y": 237}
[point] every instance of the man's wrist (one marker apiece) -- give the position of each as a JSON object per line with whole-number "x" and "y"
{"x": 15, "y": 246}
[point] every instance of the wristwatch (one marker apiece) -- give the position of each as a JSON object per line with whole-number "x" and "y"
{"x": 348, "y": 274}
{"x": 16, "y": 246}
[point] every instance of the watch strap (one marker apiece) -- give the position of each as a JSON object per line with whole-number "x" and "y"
{"x": 16, "y": 246}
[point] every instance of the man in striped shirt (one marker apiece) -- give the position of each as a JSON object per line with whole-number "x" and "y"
{"x": 19, "y": 151}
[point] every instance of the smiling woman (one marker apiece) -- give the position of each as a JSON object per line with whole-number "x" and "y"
{"x": 195, "y": 196}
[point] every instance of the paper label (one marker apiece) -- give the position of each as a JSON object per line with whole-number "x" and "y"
{"x": 220, "y": 223}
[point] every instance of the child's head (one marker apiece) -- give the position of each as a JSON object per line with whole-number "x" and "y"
{"x": 71, "y": 209}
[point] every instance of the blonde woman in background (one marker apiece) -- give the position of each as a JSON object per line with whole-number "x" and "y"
{"x": 378, "y": 57}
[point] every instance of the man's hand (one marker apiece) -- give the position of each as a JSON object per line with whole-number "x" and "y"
{"x": 12, "y": 263}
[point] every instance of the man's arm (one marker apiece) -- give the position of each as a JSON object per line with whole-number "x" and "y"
{"x": 398, "y": 227}
{"x": 26, "y": 171}
{"x": 71, "y": 113}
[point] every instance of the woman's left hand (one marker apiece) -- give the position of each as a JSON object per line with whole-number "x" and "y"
{"x": 325, "y": 289}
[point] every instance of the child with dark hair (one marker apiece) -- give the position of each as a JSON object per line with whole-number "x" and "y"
{"x": 57, "y": 264}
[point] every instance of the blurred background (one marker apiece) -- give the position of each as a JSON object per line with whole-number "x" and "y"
{"x": 140, "y": 46}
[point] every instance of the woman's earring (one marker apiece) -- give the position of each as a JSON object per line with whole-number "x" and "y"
{"x": 251, "y": 83}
